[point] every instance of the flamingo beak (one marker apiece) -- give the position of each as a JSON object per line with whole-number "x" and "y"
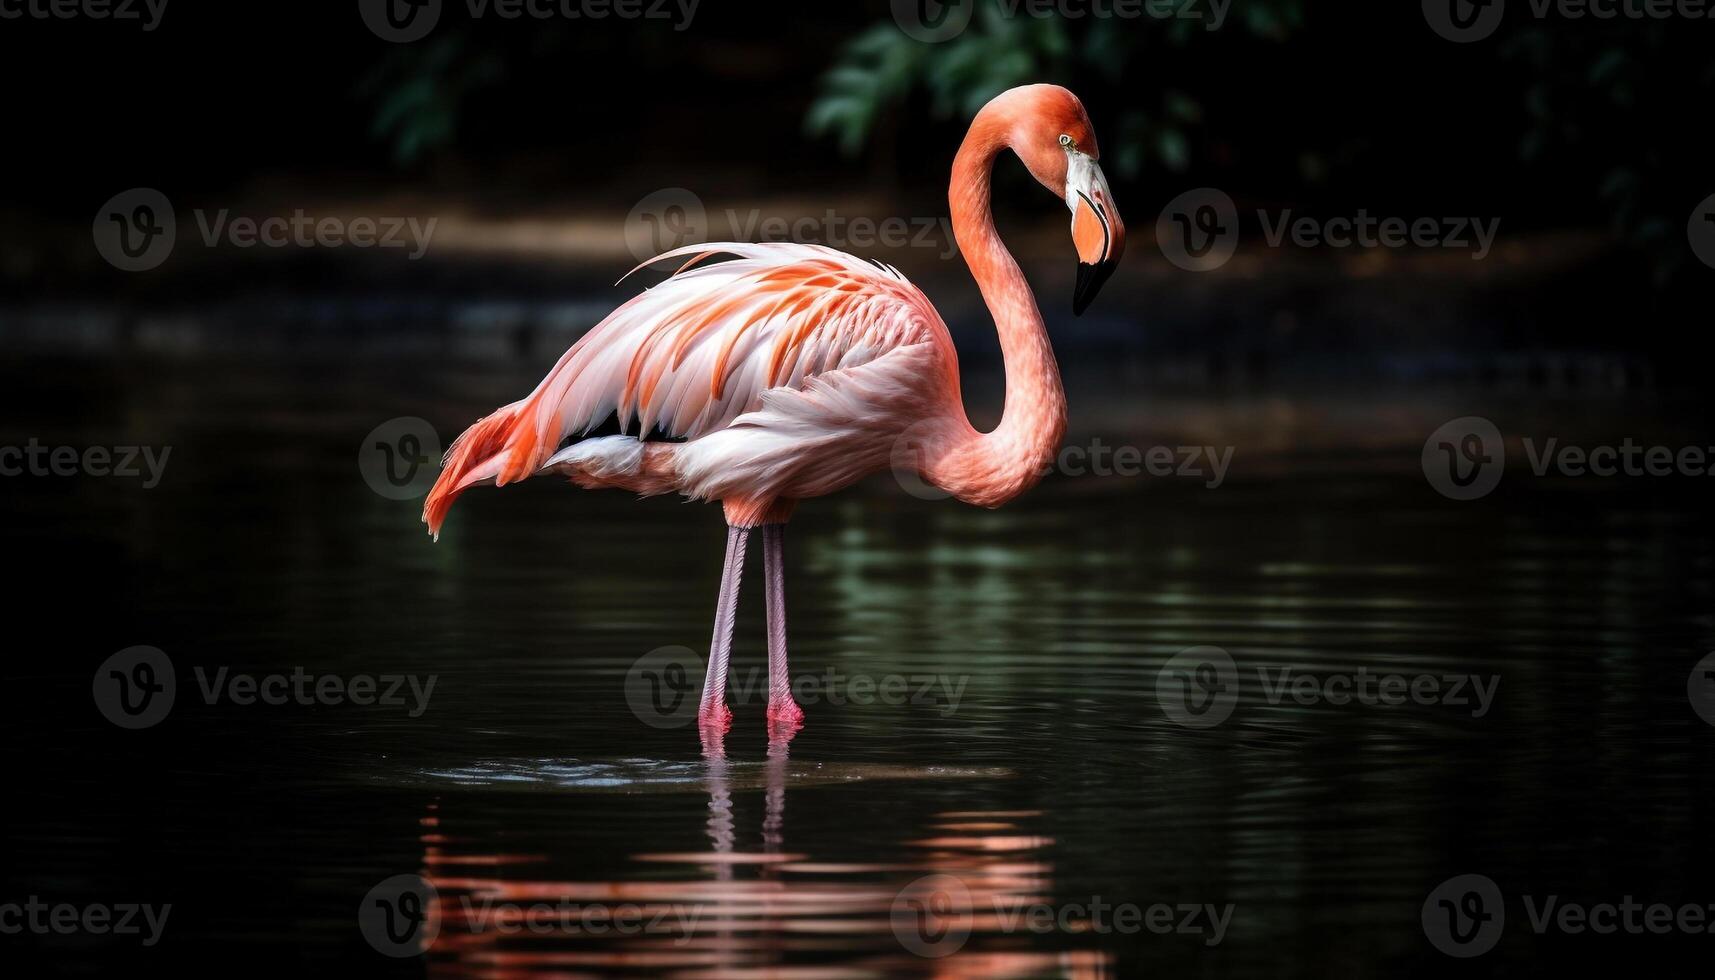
{"x": 1097, "y": 230}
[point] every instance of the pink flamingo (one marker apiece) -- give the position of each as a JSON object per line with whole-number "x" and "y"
{"x": 793, "y": 371}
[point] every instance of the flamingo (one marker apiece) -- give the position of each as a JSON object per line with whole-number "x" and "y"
{"x": 789, "y": 371}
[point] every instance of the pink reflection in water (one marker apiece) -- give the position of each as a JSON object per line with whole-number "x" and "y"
{"x": 768, "y": 913}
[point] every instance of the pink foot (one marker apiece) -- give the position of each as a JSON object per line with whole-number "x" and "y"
{"x": 715, "y": 718}
{"x": 784, "y": 716}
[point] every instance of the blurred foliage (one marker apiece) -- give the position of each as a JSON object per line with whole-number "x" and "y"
{"x": 419, "y": 91}
{"x": 1616, "y": 105}
{"x": 1552, "y": 123}
{"x": 883, "y": 67}
{"x": 1599, "y": 114}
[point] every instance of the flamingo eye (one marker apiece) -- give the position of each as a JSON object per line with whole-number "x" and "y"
{"x": 1065, "y": 140}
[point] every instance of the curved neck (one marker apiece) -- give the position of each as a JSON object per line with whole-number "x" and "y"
{"x": 990, "y": 469}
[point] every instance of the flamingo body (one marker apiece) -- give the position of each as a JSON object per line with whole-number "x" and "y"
{"x": 788, "y": 372}
{"x": 792, "y": 371}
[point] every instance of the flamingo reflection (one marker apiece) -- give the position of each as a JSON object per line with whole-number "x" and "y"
{"x": 732, "y": 912}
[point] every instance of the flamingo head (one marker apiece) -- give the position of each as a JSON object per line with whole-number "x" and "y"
{"x": 1051, "y": 133}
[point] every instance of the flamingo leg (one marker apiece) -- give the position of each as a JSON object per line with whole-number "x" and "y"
{"x": 713, "y": 713}
{"x": 784, "y": 715}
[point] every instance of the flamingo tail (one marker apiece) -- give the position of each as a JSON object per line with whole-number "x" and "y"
{"x": 474, "y": 457}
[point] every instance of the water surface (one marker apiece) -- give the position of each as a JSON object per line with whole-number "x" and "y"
{"x": 1040, "y": 769}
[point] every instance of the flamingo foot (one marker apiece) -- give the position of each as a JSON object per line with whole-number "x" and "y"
{"x": 784, "y": 717}
{"x": 714, "y": 719}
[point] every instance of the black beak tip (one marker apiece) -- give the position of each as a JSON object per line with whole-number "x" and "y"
{"x": 1090, "y": 280}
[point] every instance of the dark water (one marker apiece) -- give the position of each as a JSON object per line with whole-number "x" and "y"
{"x": 1038, "y": 781}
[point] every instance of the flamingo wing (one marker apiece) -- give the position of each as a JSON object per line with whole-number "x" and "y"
{"x": 688, "y": 357}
